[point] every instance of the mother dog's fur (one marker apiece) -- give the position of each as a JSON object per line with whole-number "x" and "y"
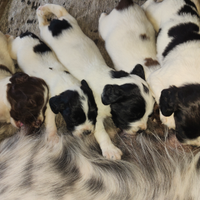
{"x": 151, "y": 169}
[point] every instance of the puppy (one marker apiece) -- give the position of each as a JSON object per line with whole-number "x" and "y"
{"x": 130, "y": 103}
{"x": 129, "y": 37}
{"x": 23, "y": 98}
{"x": 176, "y": 85}
{"x": 73, "y": 100}
{"x": 152, "y": 169}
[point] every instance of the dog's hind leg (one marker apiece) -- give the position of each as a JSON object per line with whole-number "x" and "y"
{"x": 47, "y": 9}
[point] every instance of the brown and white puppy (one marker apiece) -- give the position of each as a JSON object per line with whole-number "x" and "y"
{"x": 68, "y": 96}
{"x": 23, "y": 98}
{"x": 129, "y": 37}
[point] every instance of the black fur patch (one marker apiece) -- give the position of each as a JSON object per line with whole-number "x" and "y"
{"x": 146, "y": 89}
{"x": 126, "y": 102}
{"x": 57, "y": 26}
{"x": 27, "y": 33}
{"x": 124, "y": 4}
{"x": 92, "y": 112}
{"x": 190, "y": 3}
{"x": 184, "y": 102}
{"x": 118, "y": 74}
{"x": 187, "y": 10}
{"x": 41, "y": 48}
{"x": 182, "y": 33}
{"x": 68, "y": 103}
{"x": 139, "y": 71}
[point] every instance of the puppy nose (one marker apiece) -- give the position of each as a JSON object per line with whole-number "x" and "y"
{"x": 140, "y": 131}
{"x": 37, "y": 123}
{"x": 86, "y": 132}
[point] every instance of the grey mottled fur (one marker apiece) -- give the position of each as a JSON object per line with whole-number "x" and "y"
{"x": 152, "y": 168}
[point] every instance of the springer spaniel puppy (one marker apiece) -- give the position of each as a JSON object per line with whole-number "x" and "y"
{"x": 176, "y": 85}
{"x": 74, "y": 100}
{"x": 129, "y": 37}
{"x": 130, "y": 103}
{"x": 23, "y": 98}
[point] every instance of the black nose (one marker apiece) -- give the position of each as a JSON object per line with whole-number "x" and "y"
{"x": 140, "y": 131}
{"x": 87, "y": 132}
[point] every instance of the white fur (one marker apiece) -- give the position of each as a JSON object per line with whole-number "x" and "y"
{"x": 181, "y": 65}
{"x": 47, "y": 67}
{"x": 82, "y": 58}
{"x": 5, "y": 60}
{"x": 122, "y": 31}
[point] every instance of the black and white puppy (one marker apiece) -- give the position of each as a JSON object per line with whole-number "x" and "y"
{"x": 23, "y": 98}
{"x": 176, "y": 86}
{"x": 129, "y": 37}
{"x": 130, "y": 103}
{"x": 74, "y": 100}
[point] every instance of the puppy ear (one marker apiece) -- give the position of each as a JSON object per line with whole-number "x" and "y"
{"x": 86, "y": 89}
{"x": 139, "y": 71}
{"x": 55, "y": 104}
{"x": 111, "y": 93}
{"x": 19, "y": 78}
{"x": 168, "y": 101}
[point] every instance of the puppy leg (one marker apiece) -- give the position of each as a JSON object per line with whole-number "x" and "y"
{"x": 50, "y": 125}
{"x": 47, "y": 9}
{"x": 107, "y": 147}
{"x": 102, "y": 25}
{"x": 168, "y": 121}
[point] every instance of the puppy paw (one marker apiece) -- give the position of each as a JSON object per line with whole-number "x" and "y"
{"x": 111, "y": 152}
{"x": 102, "y": 16}
{"x": 168, "y": 121}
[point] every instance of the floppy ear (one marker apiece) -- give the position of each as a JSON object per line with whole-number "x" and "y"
{"x": 139, "y": 71}
{"x": 111, "y": 94}
{"x": 168, "y": 101}
{"x": 86, "y": 89}
{"x": 55, "y": 104}
{"x": 19, "y": 77}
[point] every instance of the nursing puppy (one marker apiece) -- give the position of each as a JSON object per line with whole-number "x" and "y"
{"x": 152, "y": 170}
{"x": 74, "y": 100}
{"x": 176, "y": 86}
{"x": 23, "y": 98}
{"x": 129, "y": 37}
{"x": 129, "y": 102}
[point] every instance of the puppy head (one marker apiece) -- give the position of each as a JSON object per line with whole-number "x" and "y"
{"x": 27, "y": 97}
{"x": 184, "y": 102}
{"x": 78, "y": 109}
{"x": 130, "y": 103}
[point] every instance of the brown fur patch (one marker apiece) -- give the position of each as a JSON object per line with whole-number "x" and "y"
{"x": 26, "y": 97}
{"x": 3, "y": 67}
{"x": 150, "y": 62}
{"x": 123, "y": 4}
{"x": 144, "y": 37}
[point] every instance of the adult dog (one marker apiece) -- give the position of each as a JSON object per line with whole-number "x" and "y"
{"x": 23, "y": 98}
{"x": 129, "y": 37}
{"x": 130, "y": 105}
{"x": 74, "y": 100}
{"x": 176, "y": 86}
{"x": 152, "y": 169}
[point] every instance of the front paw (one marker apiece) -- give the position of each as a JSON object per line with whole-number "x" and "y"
{"x": 168, "y": 121}
{"x": 111, "y": 152}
